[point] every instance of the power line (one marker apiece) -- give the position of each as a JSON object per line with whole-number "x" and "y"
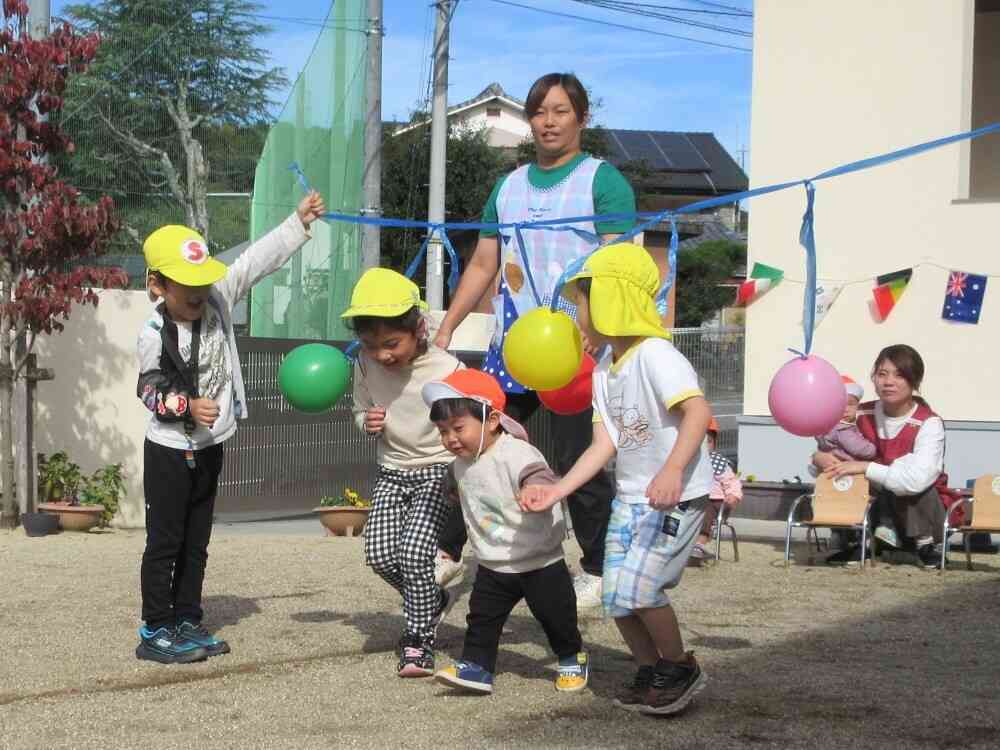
{"x": 622, "y": 8}
{"x": 708, "y": 4}
{"x": 656, "y": 6}
{"x": 621, "y": 26}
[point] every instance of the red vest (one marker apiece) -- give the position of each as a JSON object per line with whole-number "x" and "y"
{"x": 888, "y": 450}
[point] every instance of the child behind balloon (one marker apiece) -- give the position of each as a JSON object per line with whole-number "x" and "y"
{"x": 408, "y": 505}
{"x": 727, "y": 490}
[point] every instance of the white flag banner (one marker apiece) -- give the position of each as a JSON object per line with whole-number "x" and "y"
{"x": 826, "y": 295}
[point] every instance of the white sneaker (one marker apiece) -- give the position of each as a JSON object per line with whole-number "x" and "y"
{"x": 446, "y": 570}
{"x": 887, "y": 535}
{"x": 588, "y": 590}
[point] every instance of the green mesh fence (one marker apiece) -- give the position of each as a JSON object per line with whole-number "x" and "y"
{"x": 321, "y": 128}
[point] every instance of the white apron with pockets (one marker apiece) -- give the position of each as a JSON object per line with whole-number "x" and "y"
{"x": 548, "y": 252}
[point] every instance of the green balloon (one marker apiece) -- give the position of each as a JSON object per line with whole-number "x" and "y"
{"x": 313, "y": 377}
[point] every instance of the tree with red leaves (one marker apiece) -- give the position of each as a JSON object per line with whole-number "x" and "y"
{"x": 44, "y": 229}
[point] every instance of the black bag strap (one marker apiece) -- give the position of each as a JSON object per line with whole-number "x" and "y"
{"x": 188, "y": 370}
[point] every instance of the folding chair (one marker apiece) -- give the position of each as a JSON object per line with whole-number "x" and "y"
{"x": 843, "y": 503}
{"x": 723, "y": 520}
{"x": 984, "y": 515}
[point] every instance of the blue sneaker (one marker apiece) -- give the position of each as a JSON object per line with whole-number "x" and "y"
{"x": 196, "y": 633}
{"x": 465, "y": 674}
{"x": 165, "y": 646}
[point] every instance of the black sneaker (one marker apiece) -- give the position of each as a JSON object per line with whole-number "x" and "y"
{"x": 416, "y": 658}
{"x": 633, "y": 695}
{"x": 674, "y": 685}
{"x": 930, "y": 556}
{"x": 196, "y": 633}
{"x": 165, "y": 646}
{"x": 849, "y": 556}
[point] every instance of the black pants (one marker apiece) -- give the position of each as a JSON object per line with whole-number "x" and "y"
{"x": 550, "y": 597}
{"x": 589, "y": 506}
{"x": 179, "y": 505}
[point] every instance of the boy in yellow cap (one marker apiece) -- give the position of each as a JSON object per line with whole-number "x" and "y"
{"x": 650, "y": 414}
{"x": 408, "y": 505}
{"x": 189, "y": 378}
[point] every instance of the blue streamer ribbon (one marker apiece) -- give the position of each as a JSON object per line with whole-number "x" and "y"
{"x": 807, "y": 235}
{"x": 807, "y": 238}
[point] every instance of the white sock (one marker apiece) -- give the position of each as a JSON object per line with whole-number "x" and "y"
{"x": 923, "y": 541}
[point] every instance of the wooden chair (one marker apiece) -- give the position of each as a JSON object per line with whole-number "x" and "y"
{"x": 843, "y": 503}
{"x": 982, "y": 511}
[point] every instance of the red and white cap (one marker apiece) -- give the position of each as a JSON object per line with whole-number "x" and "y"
{"x": 478, "y": 386}
{"x": 852, "y": 388}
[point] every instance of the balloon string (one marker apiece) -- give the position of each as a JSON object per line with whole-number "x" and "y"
{"x": 798, "y": 353}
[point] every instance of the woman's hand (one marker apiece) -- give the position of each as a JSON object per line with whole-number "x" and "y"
{"x": 443, "y": 339}
{"x": 846, "y": 468}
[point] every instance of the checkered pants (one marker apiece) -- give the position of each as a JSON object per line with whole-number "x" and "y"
{"x": 401, "y": 539}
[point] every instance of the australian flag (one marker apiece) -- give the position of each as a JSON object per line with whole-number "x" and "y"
{"x": 963, "y": 300}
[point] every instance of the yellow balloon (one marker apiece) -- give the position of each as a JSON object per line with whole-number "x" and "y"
{"x": 543, "y": 349}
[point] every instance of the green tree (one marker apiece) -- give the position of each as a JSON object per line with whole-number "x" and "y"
{"x": 176, "y": 85}
{"x": 473, "y": 167}
{"x": 699, "y": 273}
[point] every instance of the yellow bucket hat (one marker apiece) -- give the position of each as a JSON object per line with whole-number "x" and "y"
{"x": 181, "y": 254}
{"x": 624, "y": 282}
{"x": 383, "y": 293}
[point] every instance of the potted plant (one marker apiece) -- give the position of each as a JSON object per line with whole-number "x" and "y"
{"x": 104, "y": 489}
{"x": 80, "y": 502}
{"x": 345, "y": 514}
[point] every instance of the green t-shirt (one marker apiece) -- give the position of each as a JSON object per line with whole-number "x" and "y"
{"x": 612, "y": 194}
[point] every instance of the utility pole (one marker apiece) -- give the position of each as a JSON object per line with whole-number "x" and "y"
{"x": 371, "y": 234}
{"x": 439, "y": 146}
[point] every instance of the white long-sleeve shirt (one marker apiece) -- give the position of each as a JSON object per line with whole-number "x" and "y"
{"x": 916, "y": 471}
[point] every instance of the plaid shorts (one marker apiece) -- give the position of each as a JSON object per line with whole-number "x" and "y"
{"x": 645, "y": 553}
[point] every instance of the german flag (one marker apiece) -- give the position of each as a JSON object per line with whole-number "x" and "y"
{"x": 888, "y": 289}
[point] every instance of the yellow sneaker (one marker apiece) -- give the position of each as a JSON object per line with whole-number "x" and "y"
{"x": 574, "y": 672}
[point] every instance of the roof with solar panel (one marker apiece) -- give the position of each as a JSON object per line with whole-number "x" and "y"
{"x": 677, "y": 162}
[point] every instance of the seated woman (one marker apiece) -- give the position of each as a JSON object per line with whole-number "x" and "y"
{"x": 907, "y": 471}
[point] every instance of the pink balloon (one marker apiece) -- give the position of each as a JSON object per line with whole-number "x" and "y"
{"x": 807, "y": 396}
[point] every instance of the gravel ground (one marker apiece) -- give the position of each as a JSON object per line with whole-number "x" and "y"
{"x": 805, "y": 657}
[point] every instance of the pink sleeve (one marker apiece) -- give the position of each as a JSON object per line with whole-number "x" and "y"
{"x": 856, "y": 444}
{"x": 731, "y": 484}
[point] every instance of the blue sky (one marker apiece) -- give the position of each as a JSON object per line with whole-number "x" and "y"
{"x": 644, "y": 81}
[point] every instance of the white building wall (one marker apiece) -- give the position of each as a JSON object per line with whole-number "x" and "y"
{"x": 833, "y": 87}
{"x": 505, "y": 131}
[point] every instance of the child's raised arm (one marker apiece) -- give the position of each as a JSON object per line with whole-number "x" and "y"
{"x": 539, "y": 497}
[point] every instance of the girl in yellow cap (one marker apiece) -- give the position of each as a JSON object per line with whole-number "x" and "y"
{"x": 651, "y": 416}
{"x": 408, "y": 505}
{"x": 189, "y": 378}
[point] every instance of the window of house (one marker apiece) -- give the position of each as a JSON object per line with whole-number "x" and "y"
{"x": 493, "y": 111}
{"x": 984, "y": 152}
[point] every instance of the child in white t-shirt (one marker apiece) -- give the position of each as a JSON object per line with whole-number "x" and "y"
{"x": 651, "y": 416}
